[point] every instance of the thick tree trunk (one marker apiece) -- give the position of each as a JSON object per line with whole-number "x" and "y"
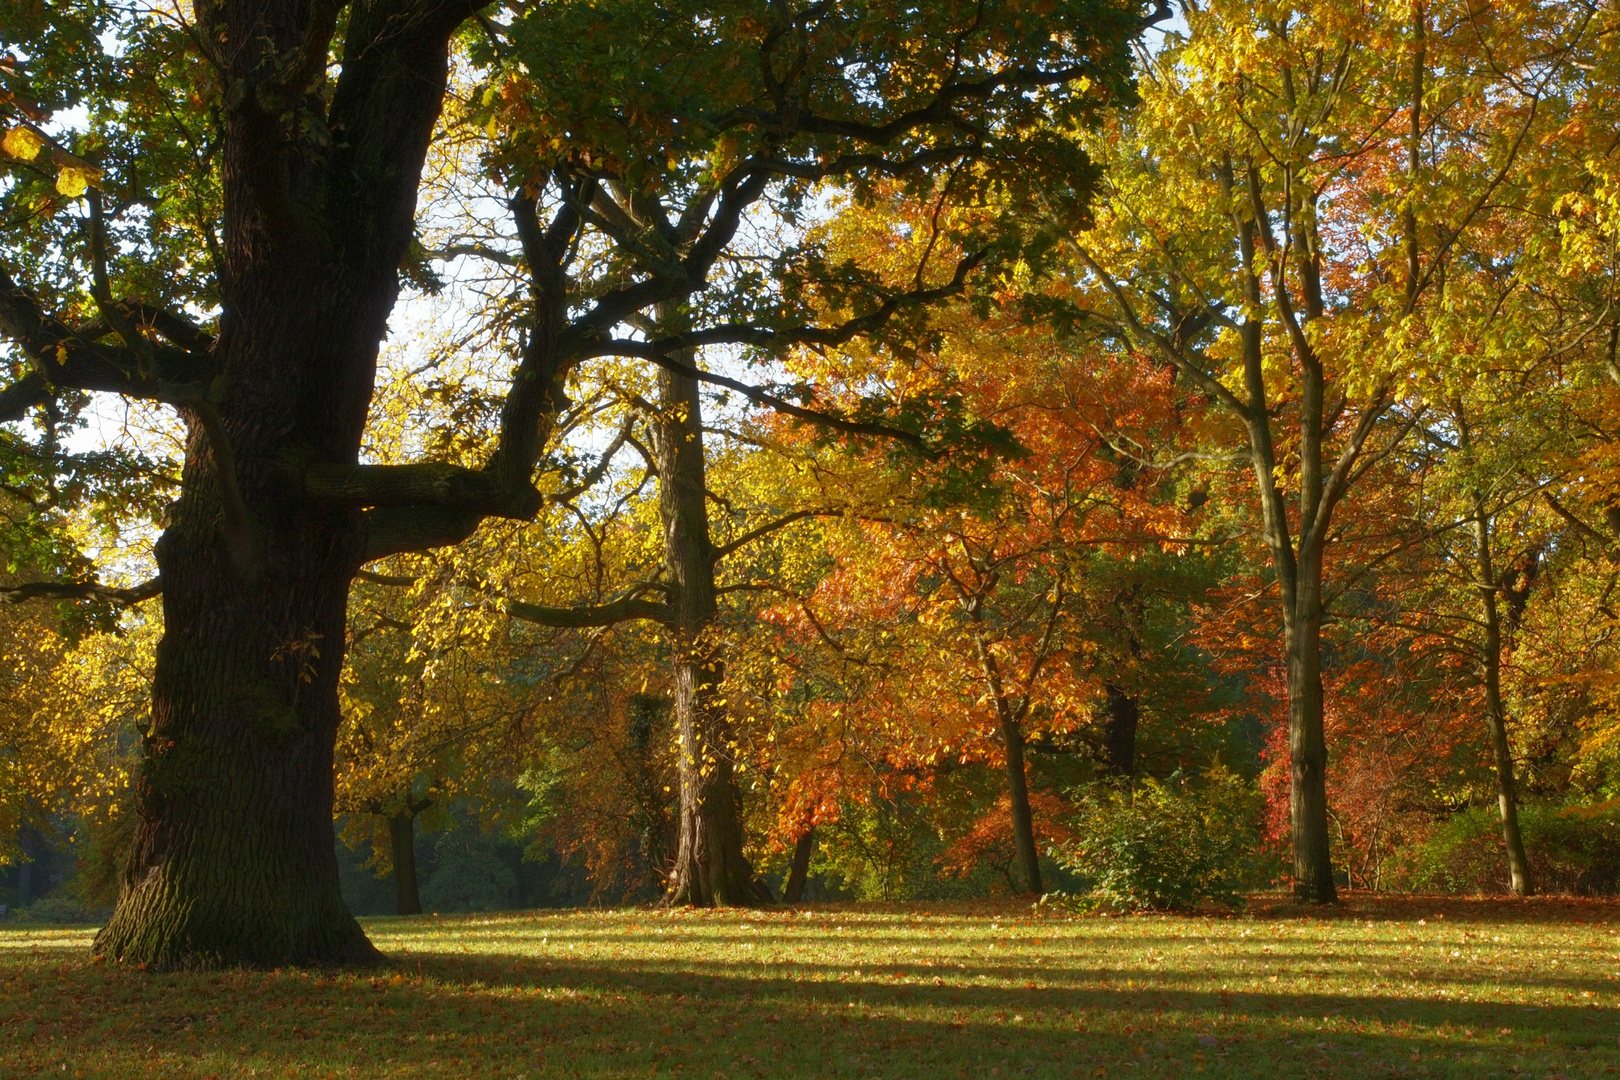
{"x": 233, "y": 859}
{"x": 1120, "y": 716}
{"x": 710, "y": 869}
{"x": 1307, "y": 755}
{"x": 402, "y": 846}
{"x": 1029, "y": 860}
{"x": 799, "y": 868}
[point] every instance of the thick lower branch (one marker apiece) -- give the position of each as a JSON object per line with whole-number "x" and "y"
{"x": 81, "y": 590}
{"x": 22, "y": 395}
{"x": 429, "y": 484}
{"x": 61, "y": 356}
{"x": 627, "y": 609}
{"x": 394, "y": 530}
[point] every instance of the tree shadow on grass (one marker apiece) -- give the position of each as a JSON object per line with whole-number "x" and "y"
{"x": 447, "y": 1013}
{"x": 503, "y": 1014}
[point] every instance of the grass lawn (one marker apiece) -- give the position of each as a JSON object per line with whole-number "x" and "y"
{"x": 1381, "y": 988}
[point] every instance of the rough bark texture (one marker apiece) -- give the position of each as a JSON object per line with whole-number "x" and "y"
{"x": 1120, "y": 716}
{"x": 402, "y": 845}
{"x": 233, "y": 860}
{"x": 799, "y": 869}
{"x": 710, "y": 869}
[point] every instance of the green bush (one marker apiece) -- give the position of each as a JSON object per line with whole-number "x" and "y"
{"x": 60, "y": 910}
{"x": 1164, "y": 845}
{"x": 1571, "y": 848}
{"x": 468, "y": 879}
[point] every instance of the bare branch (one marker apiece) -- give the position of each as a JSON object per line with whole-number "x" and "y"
{"x": 787, "y": 408}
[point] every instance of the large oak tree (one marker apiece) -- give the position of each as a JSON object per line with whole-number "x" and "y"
{"x": 224, "y": 232}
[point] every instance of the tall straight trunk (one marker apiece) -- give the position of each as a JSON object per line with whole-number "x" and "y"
{"x": 1029, "y": 861}
{"x": 1121, "y": 714}
{"x": 1297, "y": 564}
{"x": 710, "y": 869}
{"x": 799, "y": 869}
{"x": 402, "y": 846}
{"x": 233, "y": 859}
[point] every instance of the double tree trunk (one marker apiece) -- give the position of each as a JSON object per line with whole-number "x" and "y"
{"x": 710, "y": 870}
{"x": 233, "y": 858}
{"x": 402, "y": 847}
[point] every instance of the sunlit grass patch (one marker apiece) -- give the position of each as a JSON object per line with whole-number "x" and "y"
{"x": 1379, "y": 989}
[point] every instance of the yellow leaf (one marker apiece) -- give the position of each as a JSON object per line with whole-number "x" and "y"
{"x": 21, "y": 142}
{"x": 74, "y": 179}
{"x": 61, "y": 353}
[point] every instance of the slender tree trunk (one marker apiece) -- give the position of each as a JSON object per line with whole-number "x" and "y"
{"x": 1506, "y": 794}
{"x": 1307, "y": 748}
{"x": 1029, "y": 861}
{"x": 710, "y": 869}
{"x": 1009, "y": 720}
{"x": 799, "y": 869}
{"x": 1120, "y": 716}
{"x": 402, "y": 844}
{"x": 1495, "y": 713}
{"x": 233, "y": 858}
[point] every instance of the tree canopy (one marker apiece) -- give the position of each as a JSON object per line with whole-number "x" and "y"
{"x": 730, "y": 444}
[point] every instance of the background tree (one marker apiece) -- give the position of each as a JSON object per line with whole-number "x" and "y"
{"x": 1285, "y": 244}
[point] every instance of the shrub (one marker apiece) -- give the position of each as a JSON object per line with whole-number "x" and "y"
{"x": 1164, "y": 845}
{"x": 468, "y": 879}
{"x": 1572, "y": 849}
{"x": 59, "y": 909}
